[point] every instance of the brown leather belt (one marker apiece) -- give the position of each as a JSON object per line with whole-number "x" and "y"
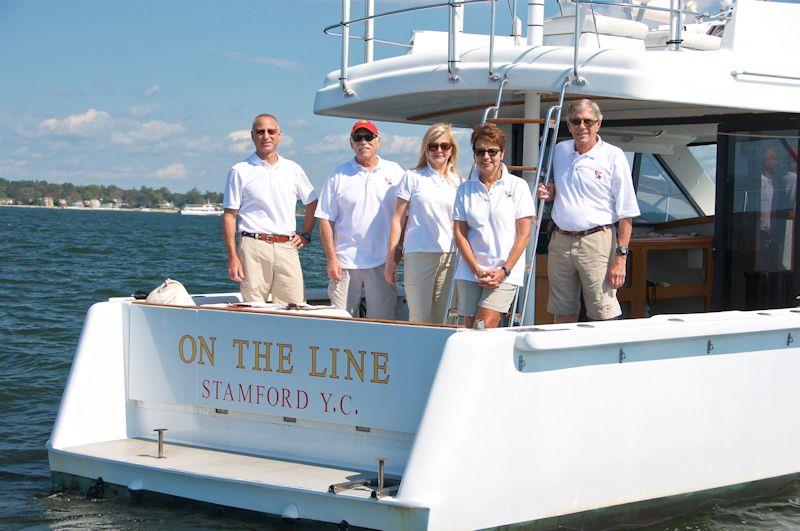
{"x": 583, "y": 232}
{"x": 269, "y": 238}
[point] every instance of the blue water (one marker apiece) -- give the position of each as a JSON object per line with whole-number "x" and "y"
{"x": 54, "y": 264}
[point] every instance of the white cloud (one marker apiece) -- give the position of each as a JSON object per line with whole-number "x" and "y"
{"x": 172, "y": 172}
{"x": 146, "y": 132}
{"x": 240, "y": 141}
{"x": 142, "y": 110}
{"x": 88, "y": 123}
{"x": 299, "y": 122}
{"x": 152, "y": 90}
{"x": 265, "y": 60}
{"x": 330, "y": 144}
{"x": 399, "y": 145}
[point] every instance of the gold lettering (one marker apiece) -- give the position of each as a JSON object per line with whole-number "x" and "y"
{"x": 314, "y": 371}
{"x": 380, "y": 366}
{"x": 285, "y": 355}
{"x": 351, "y": 362}
{"x": 258, "y": 356}
{"x": 181, "y": 343}
{"x": 205, "y": 350}
{"x": 241, "y": 344}
{"x": 334, "y": 373}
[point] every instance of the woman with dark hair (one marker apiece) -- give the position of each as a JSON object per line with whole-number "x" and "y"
{"x": 492, "y": 223}
{"x": 423, "y": 207}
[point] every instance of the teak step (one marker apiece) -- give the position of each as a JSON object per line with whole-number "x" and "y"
{"x": 521, "y": 168}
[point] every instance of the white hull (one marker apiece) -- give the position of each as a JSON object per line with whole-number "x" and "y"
{"x": 476, "y": 441}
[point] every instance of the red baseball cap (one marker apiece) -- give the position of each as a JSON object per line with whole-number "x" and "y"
{"x": 364, "y": 124}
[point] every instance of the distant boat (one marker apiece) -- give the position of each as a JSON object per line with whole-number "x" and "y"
{"x": 201, "y": 210}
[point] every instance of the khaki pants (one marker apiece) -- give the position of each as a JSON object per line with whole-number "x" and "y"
{"x": 381, "y": 296}
{"x": 270, "y": 267}
{"x": 427, "y": 278}
{"x": 580, "y": 263}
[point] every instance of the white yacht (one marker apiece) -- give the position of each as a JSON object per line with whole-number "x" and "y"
{"x": 311, "y": 415}
{"x": 206, "y": 209}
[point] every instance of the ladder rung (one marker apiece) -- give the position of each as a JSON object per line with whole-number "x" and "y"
{"x": 521, "y": 168}
{"x": 516, "y": 120}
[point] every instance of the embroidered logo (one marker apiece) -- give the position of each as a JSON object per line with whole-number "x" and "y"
{"x": 598, "y": 174}
{"x": 508, "y": 194}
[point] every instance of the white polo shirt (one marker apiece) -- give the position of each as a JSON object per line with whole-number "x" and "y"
{"x": 266, "y": 195}
{"x": 430, "y": 197}
{"x": 491, "y": 217}
{"x": 360, "y": 203}
{"x": 592, "y": 189}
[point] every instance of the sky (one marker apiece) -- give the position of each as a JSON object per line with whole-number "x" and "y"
{"x": 162, "y": 92}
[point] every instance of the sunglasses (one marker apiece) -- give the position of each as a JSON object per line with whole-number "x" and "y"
{"x": 261, "y": 132}
{"x": 479, "y": 152}
{"x": 588, "y": 122}
{"x": 358, "y": 137}
{"x": 444, "y": 146}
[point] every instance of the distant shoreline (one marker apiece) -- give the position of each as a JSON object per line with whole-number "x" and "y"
{"x": 102, "y": 209}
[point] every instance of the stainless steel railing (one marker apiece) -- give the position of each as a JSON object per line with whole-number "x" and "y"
{"x": 456, "y": 25}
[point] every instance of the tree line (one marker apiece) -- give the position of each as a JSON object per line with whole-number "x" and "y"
{"x": 34, "y": 192}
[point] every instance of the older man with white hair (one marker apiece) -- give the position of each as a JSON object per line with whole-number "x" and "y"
{"x": 593, "y": 192}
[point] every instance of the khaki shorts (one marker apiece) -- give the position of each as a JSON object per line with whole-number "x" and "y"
{"x": 270, "y": 268}
{"x": 427, "y": 278}
{"x": 580, "y": 263}
{"x": 381, "y": 296}
{"x": 472, "y": 295}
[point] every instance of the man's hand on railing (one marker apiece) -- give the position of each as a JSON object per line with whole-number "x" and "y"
{"x": 546, "y": 191}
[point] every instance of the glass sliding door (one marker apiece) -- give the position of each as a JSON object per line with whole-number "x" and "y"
{"x": 756, "y": 259}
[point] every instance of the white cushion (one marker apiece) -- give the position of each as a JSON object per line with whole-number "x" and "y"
{"x": 617, "y": 27}
{"x": 170, "y": 292}
{"x": 691, "y": 41}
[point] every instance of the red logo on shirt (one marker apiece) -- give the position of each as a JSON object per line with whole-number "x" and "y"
{"x": 598, "y": 174}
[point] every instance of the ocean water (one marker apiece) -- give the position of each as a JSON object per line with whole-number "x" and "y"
{"x": 54, "y": 264}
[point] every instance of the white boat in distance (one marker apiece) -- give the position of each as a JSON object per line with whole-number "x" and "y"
{"x": 311, "y": 415}
{"x": 201, "y": 210}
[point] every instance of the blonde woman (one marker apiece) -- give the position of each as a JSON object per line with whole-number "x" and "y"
{"x": 424, "y": 207}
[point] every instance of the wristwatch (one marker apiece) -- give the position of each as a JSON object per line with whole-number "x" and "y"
{"x": 306, "y": 236}
{"x": 506, "y": 270}
{"x": 622, "y": 251}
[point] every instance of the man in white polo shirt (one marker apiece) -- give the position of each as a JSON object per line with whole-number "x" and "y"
{"x": 593, "y": 191}
{"x": 260, "y": 198}
{"x": 355, "y": 209}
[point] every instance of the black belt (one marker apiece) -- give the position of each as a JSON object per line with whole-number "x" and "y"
{"x": 584, "y": 232}
{"x": 269, "y": 238}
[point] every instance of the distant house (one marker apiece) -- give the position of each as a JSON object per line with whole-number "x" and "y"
{"x": 166, "y": 204}
{"x": 6, "y": 201}
{"x": 62, "y": 202}
{"x": 92, "y": 203}
{"x": 47, "y": 201}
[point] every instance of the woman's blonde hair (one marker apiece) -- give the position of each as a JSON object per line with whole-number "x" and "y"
{"x": 433, "y": 132}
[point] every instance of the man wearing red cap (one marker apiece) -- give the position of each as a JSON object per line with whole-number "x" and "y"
{"x": 355, "y": 209}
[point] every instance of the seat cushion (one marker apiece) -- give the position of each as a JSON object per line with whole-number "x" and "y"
{"x": 617, "y": 27}
{"x": 691, "y": 41}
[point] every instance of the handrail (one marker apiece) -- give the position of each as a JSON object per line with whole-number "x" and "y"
{"x": 737, "y": 73}
{"x": 675, "y": 27}
{"x": 547, "y": 147}
{"x": 370, "y": 39}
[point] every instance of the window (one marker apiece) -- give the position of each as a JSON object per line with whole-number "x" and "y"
{"x": 660, "y": 199}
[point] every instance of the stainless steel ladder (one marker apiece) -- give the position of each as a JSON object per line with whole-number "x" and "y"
{"x": 548, "y": 140}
